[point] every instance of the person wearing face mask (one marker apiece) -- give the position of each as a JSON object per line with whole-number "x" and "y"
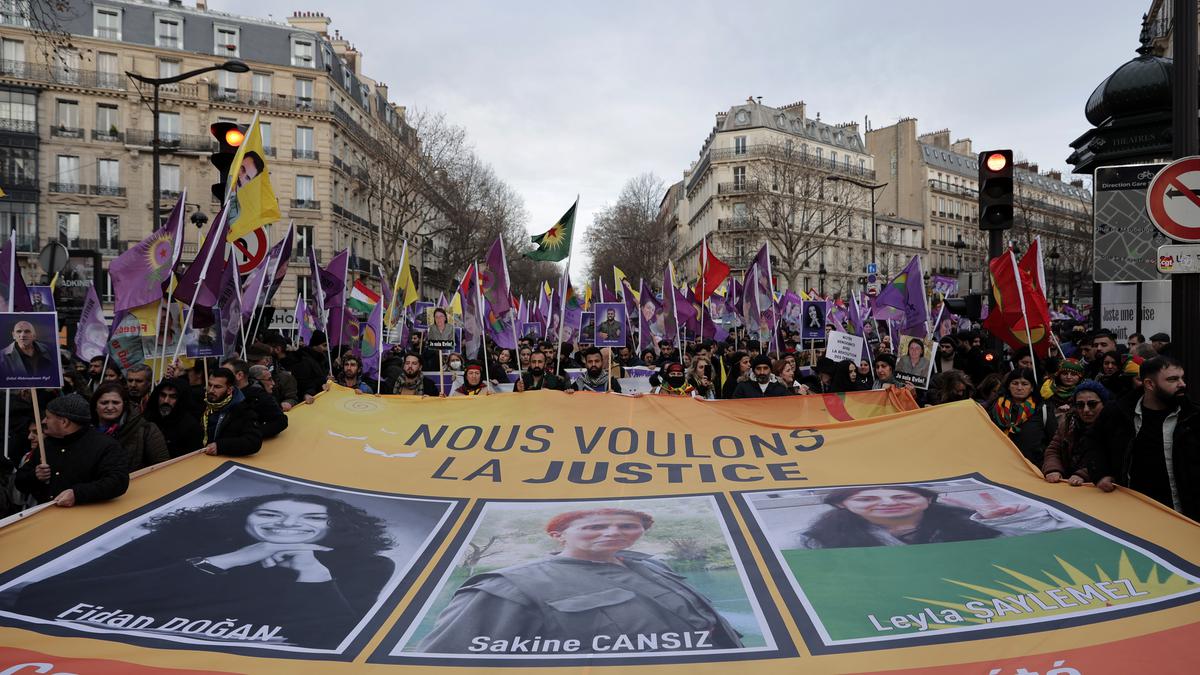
{"x": 761, "y": 383}
{"x": 1149, "y": 441}
{"x": 140, "y": 437}
{"x": 674, "y": 382}
{"x": 306, "y": 565}
{"x": 1064, "y": 456}
{"x": 171, "y": 410}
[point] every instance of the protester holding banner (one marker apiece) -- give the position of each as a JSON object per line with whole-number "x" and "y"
{"x": 410, "y": 381}
{"x": 173, "y": 411}
{"x": 1151, "y": 442}
{"x": 229, "y": 423}
{"x": 270, "y": 417}
{"x": 1064, "y": 457}
{"x": 1058, "y": 391}
{"x": 537, "y": 377}
{"x": 594, "y": 586}
{"x": 82, "y": 465}
{"x": 1020, "y": 413}
{"x": 473, "y": 383}
{"x": 594, "y": 377}
{"x": 761, "y": 383}
{"x": 141, "y": 438}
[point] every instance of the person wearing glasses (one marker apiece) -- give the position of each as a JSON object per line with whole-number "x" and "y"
{"x": 1064, "y": 459}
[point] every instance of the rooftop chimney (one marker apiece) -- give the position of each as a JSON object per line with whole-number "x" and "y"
{"x": 316, "y": 22}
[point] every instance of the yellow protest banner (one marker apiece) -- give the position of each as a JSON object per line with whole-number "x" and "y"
{"x": 578, "y": 533}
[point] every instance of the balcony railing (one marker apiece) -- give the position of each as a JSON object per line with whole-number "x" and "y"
{"x": 306, "y": 204}
{"x": 108, "y": 190}
{"x": 110, "y": 135}
{"x": 791, "y": 156}
{"x": 949, "y": 188}
{"x": 733, "y": 224}
{"x": 168, "y": 195}
{"x": 58, "y": 74}
{"x": 66, "y": 132}
{"x": 26, "y": 242}
{"x": 169, "y": 142}
{"x": 18, "y": 126}
{"x": 262, "y": 99}
{"x": 351, "y": 216}
{"x": 298, "y": 153}
{"x": 269, "y": 150}
{"x": 737, "y": 187}
{"x": 69, "y": 188}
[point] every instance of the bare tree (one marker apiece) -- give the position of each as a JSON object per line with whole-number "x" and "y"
{"x": 629, "y": 233}
{"x": 790, "y": 204}
{"x": 1067, "y": 232}
{"x": 46, "y": 20}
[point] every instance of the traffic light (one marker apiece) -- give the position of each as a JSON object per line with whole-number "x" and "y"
{"x": 968, "y": 306}
{"x": 996, "y": 190}
{"x": 229, "y": 137}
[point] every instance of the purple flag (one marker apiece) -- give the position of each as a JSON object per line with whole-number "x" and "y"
{"x": 253, "y": 288}
{"x": 758, "y": 301}
{"x": 231, "y": 308}
{"x": 333, "y": 280}
{"x": 342, "y": 328}
{"x": 305, "y": 325}
{"x": 903, "y": 301}
{"x": 494, "y": 287}
{"x": 91, "y": 338}
{"x": 631, "y": 304}
{"x": 11, "y": 282}
{"x": 371, "y": 341}
{"x": 201, "y": 282}
{"x": 670, "y": 307}
{"x": 140, "y": 274}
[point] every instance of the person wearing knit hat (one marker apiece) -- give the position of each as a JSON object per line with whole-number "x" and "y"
{"x": 82, "y": 465}
{"x": 760, "y": 382}
{"x": 1057, "y": 390}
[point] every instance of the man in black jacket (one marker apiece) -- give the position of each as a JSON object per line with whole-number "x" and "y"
{"x": 271, "y": 419}
{"x": 230, "y": 425}
{"x": 1149, "y": 440}
{"x": 537, "y": 377}
{"x": 310, "y": 365}
{"x": 763, "y": 383}
{"x": 171, "y": 409}
{"x": 82, "y": 465}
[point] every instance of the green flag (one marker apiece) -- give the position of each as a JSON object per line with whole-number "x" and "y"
{"x": 555, "y": 244}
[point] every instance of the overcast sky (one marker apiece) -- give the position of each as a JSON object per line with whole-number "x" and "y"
{"x": 573, "y": 97}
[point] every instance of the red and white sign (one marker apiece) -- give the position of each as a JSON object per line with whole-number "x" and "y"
{"x": 250, "y": 250}
{"x": 1173, "y": 200}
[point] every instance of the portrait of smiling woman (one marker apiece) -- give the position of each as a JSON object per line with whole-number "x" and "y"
{"x": 307, "y": 564}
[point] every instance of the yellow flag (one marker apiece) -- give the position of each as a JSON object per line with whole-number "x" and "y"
{"x": 404, "y": 292}
{"x": 252, "y": 202}
{"x": 455, "y": 307}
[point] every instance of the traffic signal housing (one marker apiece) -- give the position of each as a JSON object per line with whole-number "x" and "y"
{"x": 230, "y": 136}
{"x": 996, "y": 190}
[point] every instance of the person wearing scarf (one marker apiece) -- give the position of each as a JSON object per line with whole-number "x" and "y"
{"x": 473, "y": 383}
{"x": 1019, "y": 412}
{"x": 230, "y": 425}
{"x": 1057, "y": 391}
{"x": 674, "y": 381}
{"x": 116, "y": 418}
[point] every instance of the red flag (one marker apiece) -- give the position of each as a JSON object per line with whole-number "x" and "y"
{"x": 1018, "y": 314}
{"x": 713, "y": 273}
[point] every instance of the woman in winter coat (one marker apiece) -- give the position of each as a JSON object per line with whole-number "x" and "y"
{"x": 138, "y": 435}
{"x": 1064, "y": 458}
{"x": 1020, "y": 413}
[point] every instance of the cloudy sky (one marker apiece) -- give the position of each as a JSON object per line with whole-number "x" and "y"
{"x": 567, "y": 98}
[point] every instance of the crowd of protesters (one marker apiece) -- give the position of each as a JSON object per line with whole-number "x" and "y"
{"x": 1093, "y": 411}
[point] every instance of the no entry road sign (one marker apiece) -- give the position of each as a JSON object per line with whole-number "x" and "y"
{"x": 1173, "y": 200}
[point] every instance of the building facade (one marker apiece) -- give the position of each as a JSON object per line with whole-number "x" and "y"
{"x": 934, "y": 180}
{"x": 779, "y": 176}
{"x": 76, "y": 132}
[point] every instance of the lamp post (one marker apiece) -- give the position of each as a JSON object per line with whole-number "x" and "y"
{"x": 872, "y": 188}
{"x": 821, "y": 272}
{"x": 959, "y": 245}
{"x": 233, "y": 66}
{"x": 1053, "y": 256}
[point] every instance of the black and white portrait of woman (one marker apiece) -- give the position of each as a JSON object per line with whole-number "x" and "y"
{"x": 249, "y": 559}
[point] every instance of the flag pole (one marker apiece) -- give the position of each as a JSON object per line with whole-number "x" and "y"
{"x": 181, "y": 236}
{"x": 1024, "y": 316}
{"x": 482, "y": 329}
{"x": 219, "y": 225}
{"x": 562, "y": 318}
{"x": 13, "y": 272}
{"x": 274, "y": 271}
{"x": 703, "y": 296}
{"x": 249, "y": 325}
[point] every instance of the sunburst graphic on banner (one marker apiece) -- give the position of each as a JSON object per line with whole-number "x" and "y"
{"x": 1028, "y": 598}
{"x": 159, "y": 255}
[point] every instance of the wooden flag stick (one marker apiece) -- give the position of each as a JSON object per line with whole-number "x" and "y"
{"x": 37, "y": 421}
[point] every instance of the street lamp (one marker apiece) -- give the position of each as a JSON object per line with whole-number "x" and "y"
{"x": 232, "y": 65}
{"x": 821, "y": 274}
{"x": 1053, "y": 256}
{"x": 872, "y": 188}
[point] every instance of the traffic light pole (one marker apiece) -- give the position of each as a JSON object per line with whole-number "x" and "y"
{"x": 232, "y": 65}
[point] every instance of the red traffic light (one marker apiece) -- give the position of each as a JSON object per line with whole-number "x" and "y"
{"x": 235, "y": 137}
{"x": 996, "y": 161}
